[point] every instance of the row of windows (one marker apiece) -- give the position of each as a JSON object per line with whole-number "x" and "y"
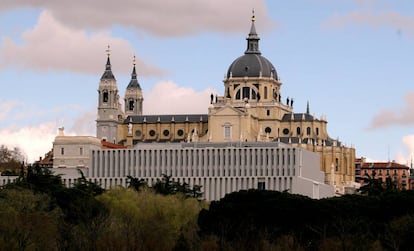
{"x": 250, "y": 93}
{"x": 166, "y": 132}
{"x": 299, "y": 131}
{"x": 196, "y": 162}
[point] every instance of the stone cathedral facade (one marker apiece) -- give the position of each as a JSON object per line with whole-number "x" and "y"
{"x": 251, "y": 109}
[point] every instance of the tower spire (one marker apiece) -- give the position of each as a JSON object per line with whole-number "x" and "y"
{"x": 108, "y": 68}
{"x": 134, "y": 72}
{"x": 307, "y": 107}
{"x": 134, "y": 82}
{"x": 253, "y": 38}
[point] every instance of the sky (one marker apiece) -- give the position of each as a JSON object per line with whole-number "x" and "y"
{"x": 353, "y": 61}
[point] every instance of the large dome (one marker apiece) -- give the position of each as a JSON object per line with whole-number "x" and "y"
{"x": 252, "y": 65}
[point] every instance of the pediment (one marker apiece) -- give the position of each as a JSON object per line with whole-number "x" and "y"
{"x": 227, "y": 111}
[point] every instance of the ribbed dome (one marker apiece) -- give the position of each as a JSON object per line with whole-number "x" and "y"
{"x": 252, "y": 65}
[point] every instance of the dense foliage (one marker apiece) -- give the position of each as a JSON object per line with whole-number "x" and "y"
{"x": 266, "y": 220}
{"x": 11, "y": 160}
{"x": 38, "y": 213}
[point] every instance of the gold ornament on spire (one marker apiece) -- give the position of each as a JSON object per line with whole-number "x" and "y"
{"x": 253, "y": 17}
{"x": 134, "y": 62}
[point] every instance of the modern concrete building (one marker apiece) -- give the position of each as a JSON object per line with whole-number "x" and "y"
{"x": 220, "y": 168}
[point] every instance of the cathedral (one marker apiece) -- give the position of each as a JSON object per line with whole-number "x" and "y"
{"x": 251, "y": 110}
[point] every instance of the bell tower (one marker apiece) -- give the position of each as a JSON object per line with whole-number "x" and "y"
{"x": 133, "y": 95}
{"x": 108, "y": 105}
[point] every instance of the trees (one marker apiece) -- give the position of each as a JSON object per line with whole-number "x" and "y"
{"x": 27, "y": 222}
{"x": 11, "y": 159}
{"x": 136, "y": 183}
{"x": 168, "y": 186}
{"x": 145, "y": 220}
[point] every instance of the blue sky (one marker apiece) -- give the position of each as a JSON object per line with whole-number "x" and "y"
{"x": 352, "y": 60}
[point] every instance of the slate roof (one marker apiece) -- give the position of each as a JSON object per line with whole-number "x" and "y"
{"x": 177, "y": 118}
{"x": 108, "y": 71}
{"x": 299, "y": 117}
{"x": 133, "y": 84}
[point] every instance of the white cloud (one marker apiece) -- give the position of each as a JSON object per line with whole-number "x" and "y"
{"x": 390, "y": 117}
{"x": 404, "y": 156}
{"x": 84, "y": 124}
{"x": 168, "y": 98}
{"x": 34, "y": 141}
{"x": 160, "y": 17}
{"x": 52, "y": 46}
{"x": 373, "y": 19}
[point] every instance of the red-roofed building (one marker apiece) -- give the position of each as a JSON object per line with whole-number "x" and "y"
{"x": 109, "y": 145}
{"x": 398, "y": 173}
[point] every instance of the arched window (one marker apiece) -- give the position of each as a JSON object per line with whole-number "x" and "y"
{"x": 238, "y": 95}
{"x": 308, "y": 131}
{"x": 254, "y": 96}
{"x": 265, "y": 92}
{"x": 131, "y": 105}
{"x": 246, "y": 92}
{"x": 105, "y": 96}
{"x": 298, "y": 130}
{"x": 317, "y": 131}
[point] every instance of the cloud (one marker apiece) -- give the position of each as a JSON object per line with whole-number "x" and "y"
{"x": 33, "y": 129}
{"x": 159, "y": 17}
{"x": 168, "y": 98}
{"x": 52, "y": 46}
{"x": 84, "y": 124}
{"x": 390, "y": 117}
{"x": 34, "y": 141}
{"x": 405, "y": 156}
{"x": 373, "y": 19}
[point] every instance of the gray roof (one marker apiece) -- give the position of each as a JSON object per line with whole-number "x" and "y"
{"x": 177, "y": 118}
{"x": 108, "y": 71}
{"x": 298, "y": 117}
{"x": 252, "y": 63}
{"x": 133, "y": 84}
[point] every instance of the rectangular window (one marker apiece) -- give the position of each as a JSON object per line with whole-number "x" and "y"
{"x": 81, "y": 151}
{"x": 227, "y": 132}
{"x": 268, "y": 112}
{"x": 336, "y": 164}
{"x": 62, "y": 151}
